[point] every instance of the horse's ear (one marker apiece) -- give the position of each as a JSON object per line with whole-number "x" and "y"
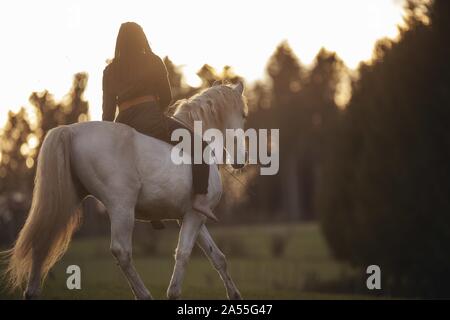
{"x": 217, "y": 83}
{"x": 239, "y": 87}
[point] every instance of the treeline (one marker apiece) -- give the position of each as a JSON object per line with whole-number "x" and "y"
{"x": 384, "y": 186}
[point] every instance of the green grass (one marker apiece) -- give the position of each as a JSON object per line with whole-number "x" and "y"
{"x": 260, "y": 270}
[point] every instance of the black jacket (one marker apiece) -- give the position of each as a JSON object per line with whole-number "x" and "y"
{"x": 151, "y": 80}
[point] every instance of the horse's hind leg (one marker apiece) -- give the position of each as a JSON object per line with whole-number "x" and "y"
{"x": 217, "y": 258}
{"x": 190, "y": 227}
{"x": 122, "y": 224}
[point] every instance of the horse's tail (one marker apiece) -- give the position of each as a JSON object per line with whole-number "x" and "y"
{"x": 54, "y": 213}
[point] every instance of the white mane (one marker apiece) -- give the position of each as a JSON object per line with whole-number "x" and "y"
{"x": 211, "y": 106}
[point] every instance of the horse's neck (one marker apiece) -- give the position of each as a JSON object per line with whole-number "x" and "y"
{"x": 188, "y": 120}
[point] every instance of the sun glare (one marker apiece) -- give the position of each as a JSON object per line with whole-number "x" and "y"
{"x": 49, "y": 41}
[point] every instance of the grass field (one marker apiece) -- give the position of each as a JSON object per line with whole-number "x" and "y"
{"x": 266, "y": 262}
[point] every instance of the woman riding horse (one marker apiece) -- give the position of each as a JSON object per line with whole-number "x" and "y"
{"x": 130, "y": 173}
{"x": 137, "y": 82}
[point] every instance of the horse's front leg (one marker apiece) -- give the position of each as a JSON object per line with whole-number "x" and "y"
{"x": 188, "y": 234}
{"x": 218, "y": 260}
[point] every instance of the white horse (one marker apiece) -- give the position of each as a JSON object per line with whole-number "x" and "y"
{"x": 133, "y": 176}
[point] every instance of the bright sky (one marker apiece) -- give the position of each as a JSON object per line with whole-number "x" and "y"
{"x": 45, "y": 42}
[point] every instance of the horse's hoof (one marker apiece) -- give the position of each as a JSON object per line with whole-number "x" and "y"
{"x": 173, "y": 293}
{"x": 235, "y": 296}
{"x": 30, "y": 296}
{"x": 146, "y": 297}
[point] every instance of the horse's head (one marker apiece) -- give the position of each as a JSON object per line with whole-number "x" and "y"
{"x": 234, "y": 117}
{"x": 220, "y": 107}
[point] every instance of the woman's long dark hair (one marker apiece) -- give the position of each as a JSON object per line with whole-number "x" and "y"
{"x": 131, "y": 50}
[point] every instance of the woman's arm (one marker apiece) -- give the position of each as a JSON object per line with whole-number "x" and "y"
{"x": 109, "y": 100}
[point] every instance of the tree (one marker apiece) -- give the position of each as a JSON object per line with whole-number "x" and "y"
{"x": 316, "y": 115}
{"x": 21, "y": 139}
{"x": 180, "y": 89}
{"x": 73, "y": 108}
{"x": 16, "y": 153}
{"x": 384, "y": 189}
{"x": 208, "y": 75}
{"x": 285, "y": 72}
{"x": 286, "y": 75}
